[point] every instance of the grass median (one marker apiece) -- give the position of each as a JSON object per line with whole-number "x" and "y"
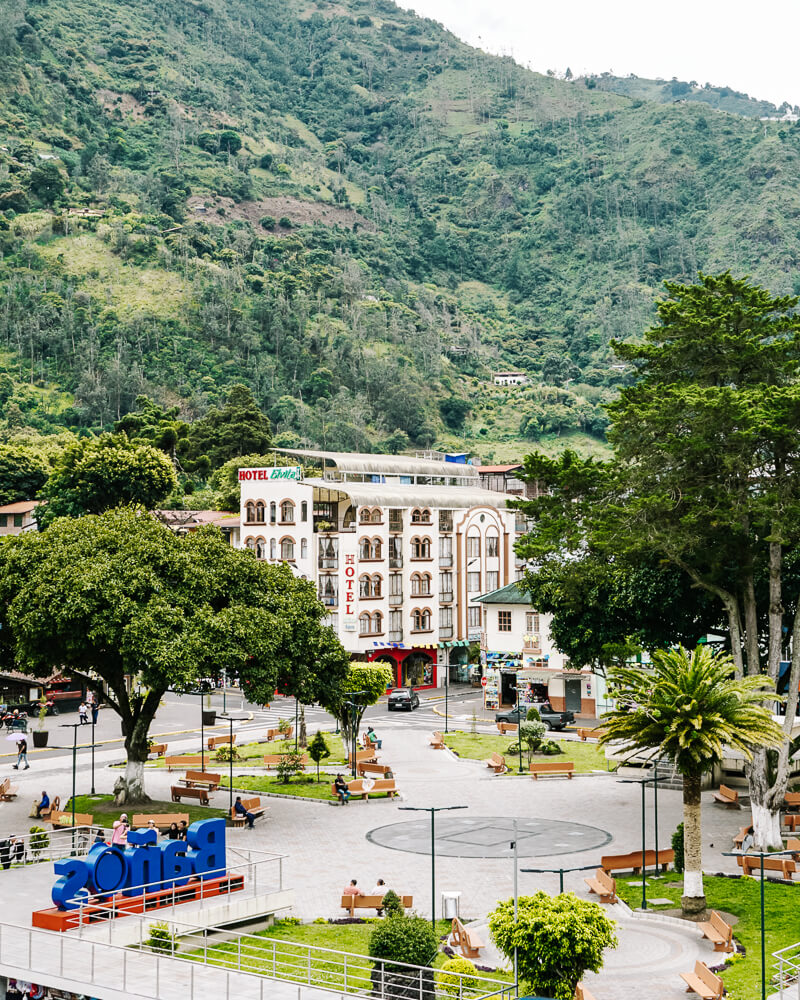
{"x": 587, "y": 757}
{"x": 105, "y": 811}
{"x": 739, "y": 897}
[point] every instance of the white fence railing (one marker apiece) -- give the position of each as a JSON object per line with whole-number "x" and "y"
{"x": 786, "y": 977}
{"x": 17, "y": 850}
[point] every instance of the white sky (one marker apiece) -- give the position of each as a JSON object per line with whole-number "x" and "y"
{"x": 751, "y": 47}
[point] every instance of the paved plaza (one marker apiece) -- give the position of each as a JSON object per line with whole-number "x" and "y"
{"x": 560, "y": 823}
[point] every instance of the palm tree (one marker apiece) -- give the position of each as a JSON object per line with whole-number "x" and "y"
{"x": 690, "y": 707}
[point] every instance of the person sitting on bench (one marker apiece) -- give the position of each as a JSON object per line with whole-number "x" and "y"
{"x": 240, "y": 810}
{"x": 44, "y": 804}
{"x": 341, "y": 789}
{"x": 352, "y": 889}
{"x": 373, "y": 738}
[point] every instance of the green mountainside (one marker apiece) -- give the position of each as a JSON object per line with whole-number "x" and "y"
{"x": 669, "y": 91}
{"x": 349, "y": 210}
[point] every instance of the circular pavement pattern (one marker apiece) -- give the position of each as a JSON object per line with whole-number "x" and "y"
{"x": 489, "y": 837}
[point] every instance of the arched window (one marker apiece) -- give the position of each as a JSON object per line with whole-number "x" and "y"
{"x": 304, "y": 511}
{"x": 364, "y": 586}
{"x": 260, "y": 512}
{"x": 377, "y": 516}
{"x": 304, "y": 548}
{"x": 272, "y": 548}
{"x": 492, "y": 544}
{"x": 377, "y": 582}
{"x": 287, "y": 549}
{"x": 250, "y": 512}
{"x": 473, "y": 546}
{"x": 287, "y": 512}
{"x": 273, "y": 512}
{"x": 376, "y": 548}
{"x": 364, "y": 516}
{"x": 420, "y": 548}
{"x": 420, "y": 516}
{"x": 364, "y": 624}
{"x": 421, "y": 620}
{"x": 364, "y": 548}
{"x": 261, "y": 548}
{"x": 377, "y": 623}
{"x": 250, "y": 543}
{"x": 349, "y": 518}
{"x": 421, "y": 584}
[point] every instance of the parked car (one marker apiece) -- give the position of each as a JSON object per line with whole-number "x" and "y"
{"x": 551, "y": 718}
{"x": 403, "y": 698}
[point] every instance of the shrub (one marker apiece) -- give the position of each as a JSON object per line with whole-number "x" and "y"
{"x": 285, "y": 221}
{"x": 392, "y": 904}
{"x": 40, "y": 840}
{"x": 404, "y": 939}
{"x": 677, "y": 847}
{"x": 457, "y": 985}
{"x": 284, "y": 725}
{"x": 318, "y": 750}
{"x": 226, "y": 753}
{"x": 160, "y": 939}
{"x": 551, "y": 748}
{"x": 266, "y": 161}
{"x": 558, "y": 939}
{"x": 290, "y": 764}
{"x": 267, "y": 221}
{"x": 533, "y": 714}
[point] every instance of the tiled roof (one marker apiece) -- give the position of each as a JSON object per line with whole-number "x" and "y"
{"x": 510, "y": 594}
{"x": 20, "y": 507}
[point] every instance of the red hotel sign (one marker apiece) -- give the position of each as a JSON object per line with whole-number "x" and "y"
{"x": 349, "y": 584}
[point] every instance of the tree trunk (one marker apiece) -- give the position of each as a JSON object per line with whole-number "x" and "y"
{"x": 693, "y": 900}
{"x": 129, "y": 788}
{"x": 302, "y": 738}
{"x": 765, "y": 804}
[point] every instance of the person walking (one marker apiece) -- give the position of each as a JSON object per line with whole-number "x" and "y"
{"x": 22, "y": 754}
{"x": 94, "y": 707}
{"x": 83, "y": 714}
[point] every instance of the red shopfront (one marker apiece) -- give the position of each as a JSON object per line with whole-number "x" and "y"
{"x": 414, "y": 667}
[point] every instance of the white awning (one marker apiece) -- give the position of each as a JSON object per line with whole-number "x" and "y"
{"x": 404, "y": 495}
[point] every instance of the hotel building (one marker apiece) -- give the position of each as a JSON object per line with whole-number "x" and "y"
{"x": 400, "y": 550}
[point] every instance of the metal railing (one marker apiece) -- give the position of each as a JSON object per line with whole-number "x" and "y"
{"x": 786, "y": 978}
{"x": 259, "y": 877}
{"x": 255, "y": 955}
{"x": 18, "y": 851}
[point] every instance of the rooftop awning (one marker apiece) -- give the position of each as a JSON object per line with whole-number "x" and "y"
{"x": 377, "y": 465}
{"x": 406, "y": 495}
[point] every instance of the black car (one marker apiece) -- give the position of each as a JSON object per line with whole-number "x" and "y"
{"x": 551, "y": 718}
{"x": 403, "y": 698}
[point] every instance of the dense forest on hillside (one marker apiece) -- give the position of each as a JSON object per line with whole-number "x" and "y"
{"x": 345, "y": 208}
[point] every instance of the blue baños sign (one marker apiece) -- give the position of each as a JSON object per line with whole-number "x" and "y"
{"x": 108, "y": 869}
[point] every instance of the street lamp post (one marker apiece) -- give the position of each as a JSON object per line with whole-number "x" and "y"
{"x": 354, "y": 705}
{"x": 231, "y": 721}
{"x": 432, "y": 810}
{"x": 643, "y": 782}
{"x": 74, "y": 727}
{"x": 94, "y": 714}
{"x": 446, "y": 690}
{"x": 519, "y": 729}
{"x": 516, "y": 898}
{"x": 761, "y": 855}
{"x": 202, "y": 736}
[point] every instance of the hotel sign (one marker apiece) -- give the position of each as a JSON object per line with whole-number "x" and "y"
{"x": 293, "y": 472}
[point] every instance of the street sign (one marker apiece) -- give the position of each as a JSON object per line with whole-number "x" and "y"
{"x": 483, "y": 682}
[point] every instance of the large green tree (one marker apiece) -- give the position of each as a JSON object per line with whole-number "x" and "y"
{"x": 95, "y": 474}
{"x": 121, "y": 599}
{"x": 705, "y": 476}
{"x": 363, "y": 685}
{"x": 237, "y": 428}
{"x": 149, "y": 422}
{"x": 23, "y": 472}
{"x": 690, "y": 706}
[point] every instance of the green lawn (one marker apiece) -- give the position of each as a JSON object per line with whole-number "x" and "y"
{"x": 104, "y": 810}
{"x": 586, "y": 756}
{"x": 291, "y": 963}
{"x": 304, "y": 785}
{"x": 741, "y": 897}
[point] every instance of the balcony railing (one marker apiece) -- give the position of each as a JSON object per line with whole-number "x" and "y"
{"x": 446, "y": 632}
{"x": 395, "y": 524}
{"x": 446, "y": 597}
{"x": 396, "y": 635}
{"x": 328, "y": 562}
{"x": 445, "y": 521}
{"x": 446, "y": 560}
{"x": 395, "y": 599}
{"x": 330, "y": 600}
{"x": 395, "y": 562}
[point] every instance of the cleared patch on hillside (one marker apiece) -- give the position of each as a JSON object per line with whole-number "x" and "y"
{"x": 112, "y": 100}
{"x": 299, "y": 212}
{"x": 128, "y": 289}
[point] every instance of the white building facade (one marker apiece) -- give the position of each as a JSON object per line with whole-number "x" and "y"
{"x": 517, "y": 651}
{"x": 400, "y": 549}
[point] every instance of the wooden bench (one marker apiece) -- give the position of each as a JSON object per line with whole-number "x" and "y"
{"x": 201, "y": 779}
{"x": 273, "y": 759}
{"x": 582, "y": 993}
{"x": 178, "y": 763}
{"x": 437, "y": 741}
{"x": 727, "y": 797}
{"x": 718, "y": 932}
{"x": 367, "y": 756}
{"x": 791, "y": 821}
{"x": 703, "y": 982}
{"x": 793, "y": 844}
{"x": 496, "y": 762}
{"x": 157, "y": 750}
{"x": 218, "y": 741}
{"x": 46, "y": 813}
{"x": 738, "y": 840}
{"x": 507, "y": 727}
{"x": 466, "y": 940}
{"x": 7, "y": 790}
{"x": 633, "y": 861}
{"x": 58, "y": 818}
{"x": 252, "y": 806}
{"x": 566, "y": 767}
{"x": 792, "y": 800}
{"x": 603, "y": 886}
{"x": 751, "y": 865}
{"x": 357, "y": 791}
{"x": 275, "y": 734}
{"x": 163, "y": 821}
{"x": 365, "y": 768}
{"x": 353, "y": 903}
{"x": 589, "y": 734}
{"x": 180, "y": 792}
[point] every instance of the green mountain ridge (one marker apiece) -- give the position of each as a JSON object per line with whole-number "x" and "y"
{"x": 353, "y": 212}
